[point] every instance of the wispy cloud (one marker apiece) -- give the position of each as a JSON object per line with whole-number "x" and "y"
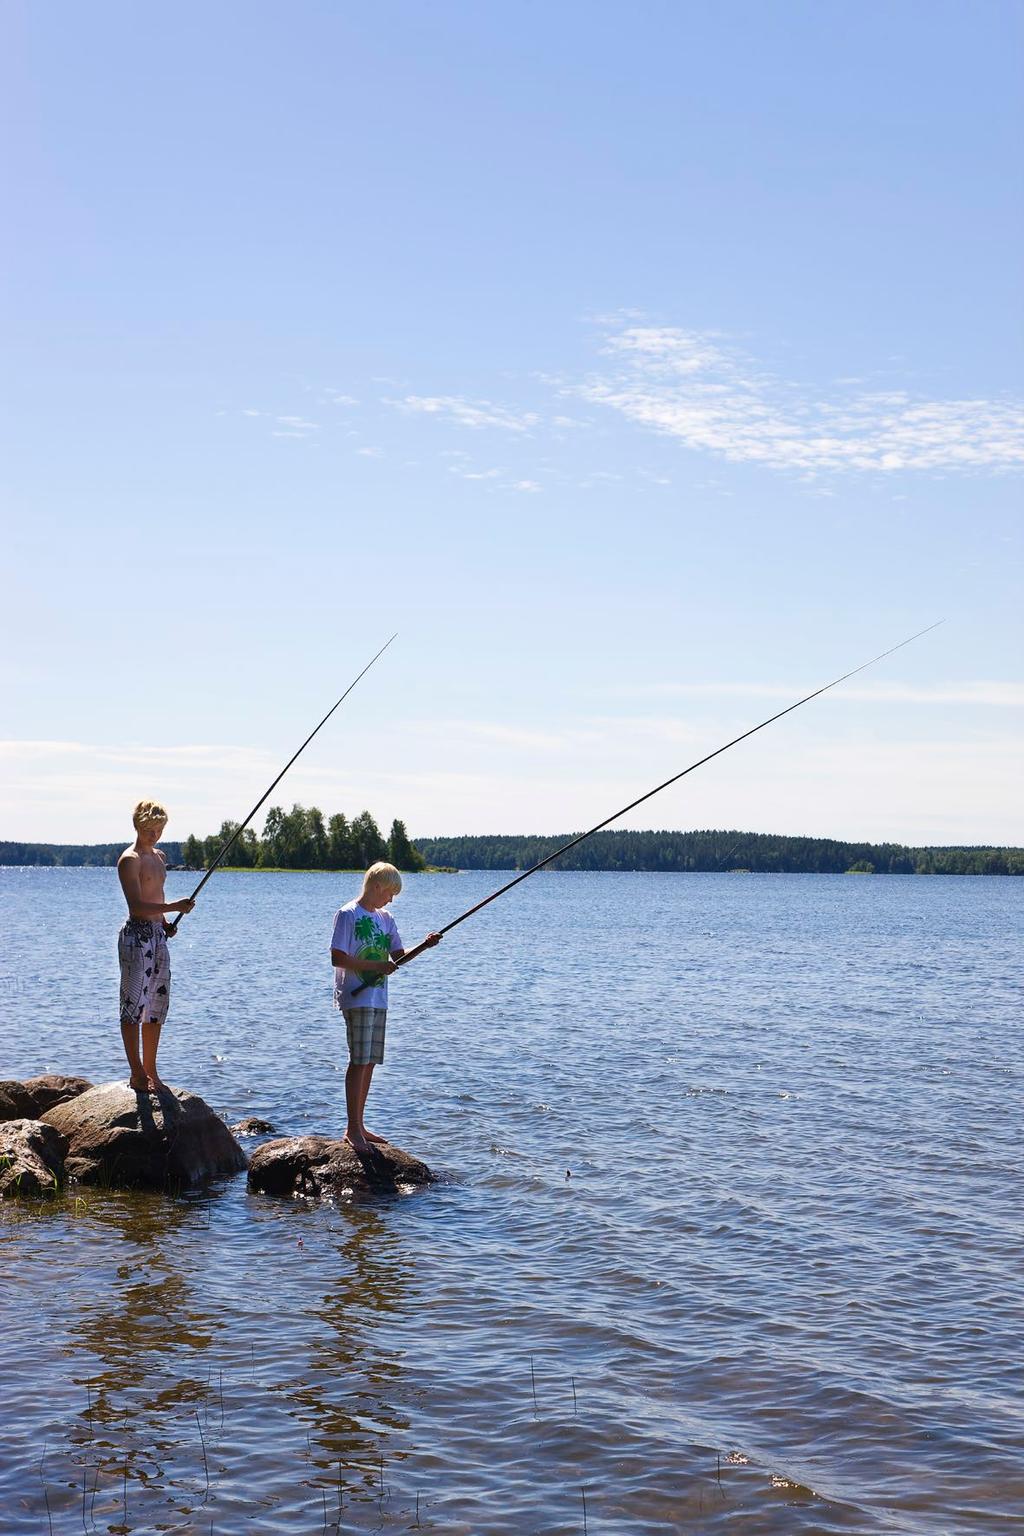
{"x": 523, "y": 738}
{"x": 474, "y": 474}
{"x": 993, "y": 694}
{"x": 467, "y": 413}
{"x": 694, "y": 387}
{"x": 295, "y": 426}
{"x": 131, "y": 755}
{"x": 494, "y": 479}
{"x": 699, "y": 389}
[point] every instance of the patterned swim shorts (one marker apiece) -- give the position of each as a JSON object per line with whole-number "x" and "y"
{"x": 145, "y": 972}
{"x": 365, "y": 1029}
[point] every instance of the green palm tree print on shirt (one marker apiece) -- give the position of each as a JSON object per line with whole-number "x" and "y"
{"x": 375, "y": 944}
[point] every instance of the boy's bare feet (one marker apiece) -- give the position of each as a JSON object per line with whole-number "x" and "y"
{"x": 139, "y": 1082}
{"x": 380, "y": 1140}
{"x": 157, "y": 1084}
{"x": 357, "y": 1143}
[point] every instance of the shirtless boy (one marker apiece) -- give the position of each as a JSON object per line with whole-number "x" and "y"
{"x": 142, "y": 945}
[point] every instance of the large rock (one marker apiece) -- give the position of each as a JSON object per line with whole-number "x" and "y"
{"x": 126, "y": 1139}
{"x": 32, "y": 1098}
{"x": 16, "y": 1103}
{"x": 31, "y": 1158}
{"x": 321, "y": 1166}
{"x": 54, "y": 1088}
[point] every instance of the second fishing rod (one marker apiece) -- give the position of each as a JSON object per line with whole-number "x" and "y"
{"x": 574, "y": 842}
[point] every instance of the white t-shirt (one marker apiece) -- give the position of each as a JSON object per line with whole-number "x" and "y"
{"x": 369, "y": 936}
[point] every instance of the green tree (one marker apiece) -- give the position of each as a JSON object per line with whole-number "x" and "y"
{"x": 369, "y": 845}
{"x": 273, "y": 838}
{"x": 296, "y": 849}
{"x": 401, "y": 852}
{"x": 241, "y": 852}
{"x": 246, "y": 852}
{"x": 284, "y": 838}
{"x": 192, "y": 852}
{"x": 316, "y": 838}
{"x": 341, "y": 850}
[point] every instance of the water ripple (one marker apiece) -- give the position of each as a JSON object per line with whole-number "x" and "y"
{"x": 778, "y": 1292}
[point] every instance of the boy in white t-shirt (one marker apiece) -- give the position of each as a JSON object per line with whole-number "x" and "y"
{"x": 364, "y": 947}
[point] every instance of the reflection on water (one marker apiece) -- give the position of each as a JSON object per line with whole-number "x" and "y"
{"x": 135, "y": 1348}
{"x": 170, "y": 1389}
{"x": 341, "y": 1386}
{"x": 778, "y": 1293}
{"x": 149, "y": 1315}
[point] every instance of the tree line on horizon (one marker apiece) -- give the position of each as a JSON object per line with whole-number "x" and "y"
{"x": 706, "y": 852}
{"x": 74, "y": 855}
{"x": 302, "y": 839}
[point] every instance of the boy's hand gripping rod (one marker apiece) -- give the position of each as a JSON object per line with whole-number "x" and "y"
{"x": 418, "y": 949}
{"x": 173, "y": 928}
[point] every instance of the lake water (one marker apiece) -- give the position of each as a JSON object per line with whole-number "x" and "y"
{"x": 779, "y": 1292}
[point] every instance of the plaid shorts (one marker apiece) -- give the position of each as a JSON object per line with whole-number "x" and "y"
{"x": 365, "y": 1029}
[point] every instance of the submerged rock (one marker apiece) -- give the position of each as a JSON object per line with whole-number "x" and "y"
{"x": 127, "y": 1140}
{"x": 31, "y": 1158}
{"x": 322, "y": 1166}
{"x": 252, "y": 1125}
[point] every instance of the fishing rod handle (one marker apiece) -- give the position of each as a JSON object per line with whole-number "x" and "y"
{"x": 172, "y": 928}
{"x": 410, "y": 954}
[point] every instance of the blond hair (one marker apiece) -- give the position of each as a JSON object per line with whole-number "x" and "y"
{"x": 147, "y": 812}
{"x": 382, "y": 874}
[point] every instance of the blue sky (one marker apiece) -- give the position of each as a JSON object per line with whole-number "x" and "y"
{"x": 643, "y": 366}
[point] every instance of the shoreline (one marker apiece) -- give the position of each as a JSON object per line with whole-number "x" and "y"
{"x": 511, "y": 869}
{"x": 274, "y": 869}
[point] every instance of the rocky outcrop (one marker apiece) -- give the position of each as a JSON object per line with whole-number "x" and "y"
{"x": 129, "y": 1140}
{"x": 32, "y": 1098}
{"x": 252, "y": 1125}
{"x": 54, "y": 1088}
{"x": 31, "y": 1158}
{"x": 324, "y": 1168}
{"x": 15, "y": 1101}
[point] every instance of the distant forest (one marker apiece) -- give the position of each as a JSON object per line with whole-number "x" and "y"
{"x": 304, "y": 839}
{"x": 705, "y": 852}
{"x": 70, "y": 854}
{"x": 297, "y": 839}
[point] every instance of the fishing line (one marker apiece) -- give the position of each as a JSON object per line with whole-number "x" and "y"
{"x": 411, "y": 954}
{"x": 239, "y": 830}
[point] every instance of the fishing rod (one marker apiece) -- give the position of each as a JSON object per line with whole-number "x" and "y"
{"x": 418, "y": 949}
{"x": 239, "y": 830}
